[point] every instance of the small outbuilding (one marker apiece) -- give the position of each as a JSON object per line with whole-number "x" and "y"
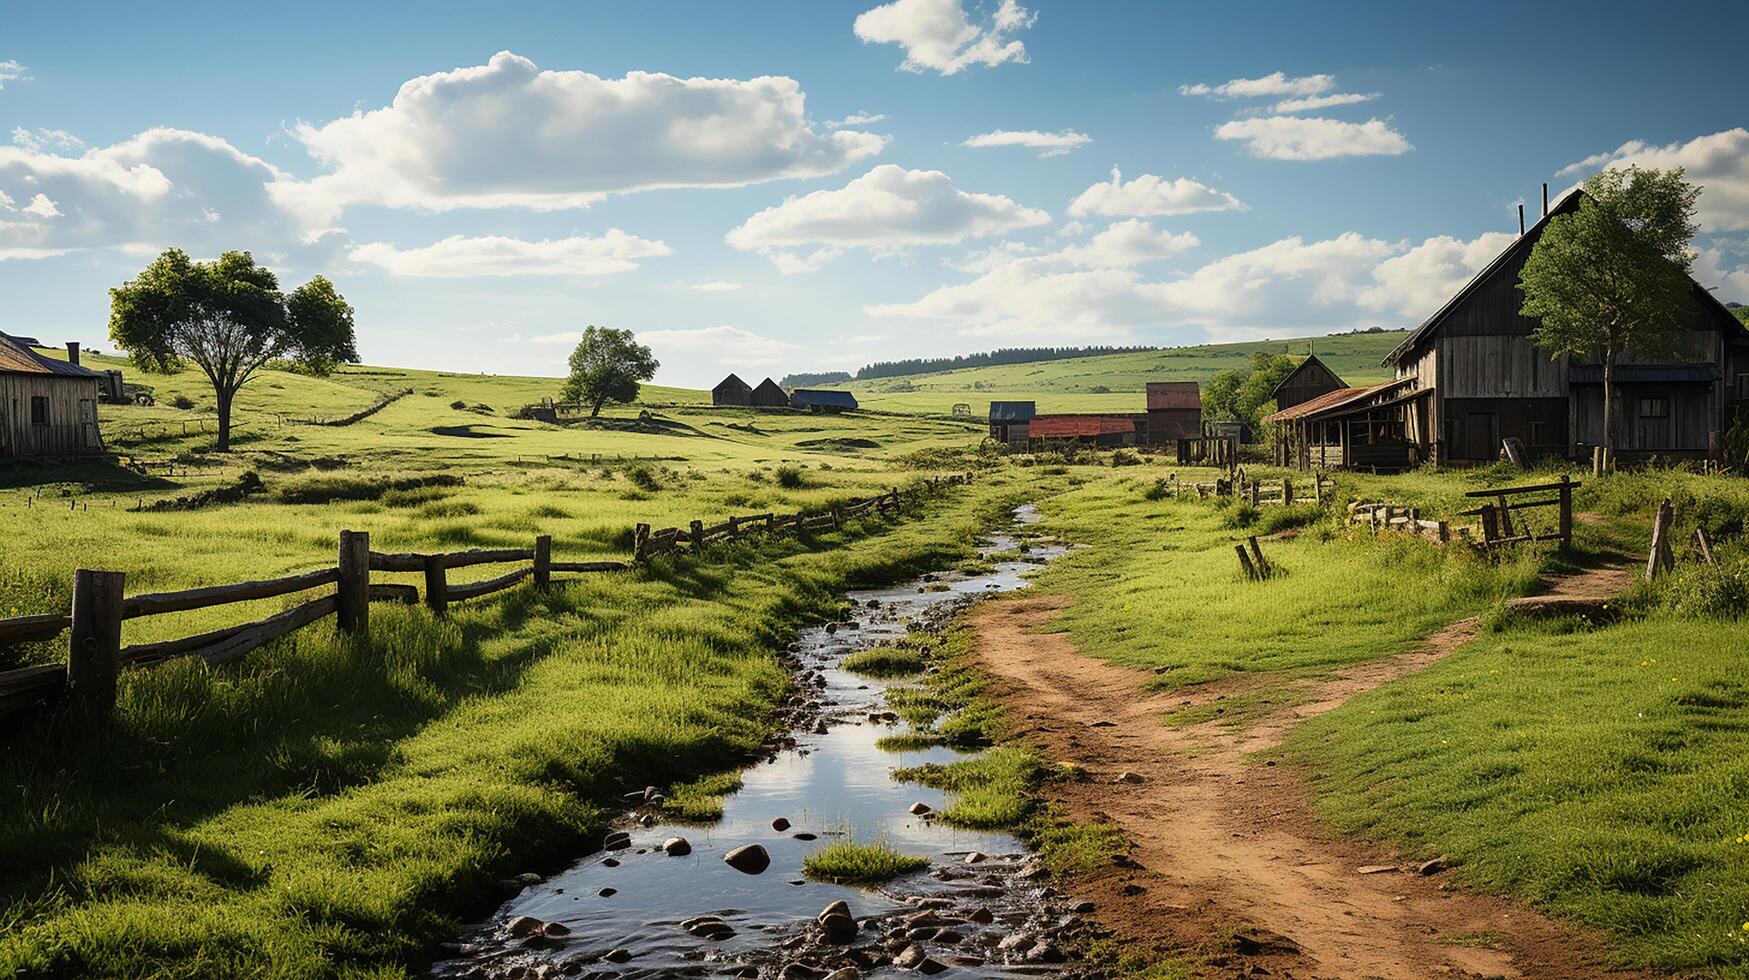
{"x": 769, "y": 395}
{"x": 1097, "y": 430}
{"x": 1011, "y": 422}
{"x": 822, "y": 400}
{"x": 1309, "y": 379}
{"x": 1174, "y": 412}
{"x": 48, "y": 407}
{"x": 732, "y": 391}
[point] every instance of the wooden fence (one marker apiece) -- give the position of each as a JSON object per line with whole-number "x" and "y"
{"x": 1495, "y": 525}
{"x": 95, "y": 653}
{"x": 1256, "y": 492}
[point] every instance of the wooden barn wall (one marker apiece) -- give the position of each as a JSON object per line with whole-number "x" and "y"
{"x": 731, "y": 396}
{"x": 72, "y": 427}
{"x": 1161, "y": 426}
{"x": 1495, "y": 366}
{"x": 1475, "y": 427}
{"x": 1312, "y": 380}
{"x": 1689, "y": 427}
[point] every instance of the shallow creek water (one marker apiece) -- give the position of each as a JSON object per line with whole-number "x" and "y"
{"x": 828, "y": 776}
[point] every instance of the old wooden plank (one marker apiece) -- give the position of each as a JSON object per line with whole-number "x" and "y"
{"x": 474, "y": 590}
{"x": 152, "y": 604}
{"x": 32, "y": 629}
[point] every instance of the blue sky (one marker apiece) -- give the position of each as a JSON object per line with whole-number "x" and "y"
{"x": 686, "y": 170}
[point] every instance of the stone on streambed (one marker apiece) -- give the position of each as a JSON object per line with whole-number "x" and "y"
{"x": 847, "y": 973}
{"x": 922, "y": 809}
{"x": 524, "y": 925}
{"x": 780, "y": 825}
{"x": 619, "y": 840}
{"x": 676, "y": 846}
{"x": 618, "y": 954}
{"x": 748, "y": 859}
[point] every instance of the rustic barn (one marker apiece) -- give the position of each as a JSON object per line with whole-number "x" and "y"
{"x": 768, "y": 395}
{"x": 1010, "y": 422}
{"x": 732, "y": 391}
{"x": 48, "y": 407}
{"x": 822, "y": 400}
{"x": 1098, "y": 430}
{"x": 1309, "y": 379}
{"x": 1348, "y": 427}
{"x": 1174, "y": 412}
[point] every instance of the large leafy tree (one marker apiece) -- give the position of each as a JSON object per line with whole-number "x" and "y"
{"x": 228, "y": 318}
{"x": 1612, "y": 276}
{"x": 607, "y": 366}
{"x": 1242, "y": 393}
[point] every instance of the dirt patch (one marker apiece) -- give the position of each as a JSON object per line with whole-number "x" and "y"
{"x": 1230, "y": 864}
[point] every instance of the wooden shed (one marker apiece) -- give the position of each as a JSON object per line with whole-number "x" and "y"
{"x": 1309, "y": 379}
{"x": 1174, "y": 412}
{"x": 768, "y": 395}
{"x": 732, "y": 391}
{"x": 1097, "y": 430}
{"x": 48, "y": 407}
{"x": 1010, "y": 422}
{"x": 822, "y": 400}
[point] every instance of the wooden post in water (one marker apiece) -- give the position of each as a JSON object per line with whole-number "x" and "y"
{"x": 543, "y": 560}
{"x": 94, "y": 646}
{"x": 352, "y": 610}
{"x": 436, "y": 585}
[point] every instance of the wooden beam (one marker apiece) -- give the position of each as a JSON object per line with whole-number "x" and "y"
{"x": 95, "y": 643}
{"x": 156, "y": 603}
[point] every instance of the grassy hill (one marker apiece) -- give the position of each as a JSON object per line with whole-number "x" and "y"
{"x": 1111, "y": 382}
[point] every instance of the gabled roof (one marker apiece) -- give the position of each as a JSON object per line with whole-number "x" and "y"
{"x": 1070, "y": 426}
{"x": 15, "y": 358}
{"x": 1310, "y": 360}
{"x": 1012, "y": 411}
{"x": 767, "y": 386}
{"x": 823, "y": 397}
{"x": 732, "y": 382}
{"x": 1174, "y": 394}
{"x": 1331, "y": 401}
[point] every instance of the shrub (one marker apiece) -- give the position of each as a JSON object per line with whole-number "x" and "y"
{"x": 182, "y": 401}
{"x": 789, "y": 477}
{"x": 458, "y": 404}
{"x": 644, "y": 478}
{"x": 1159, "y": 491}
{"x": 1241, "y": 515}
{"x": 1124, "y": 457}
{"x": 1712, "y": 591}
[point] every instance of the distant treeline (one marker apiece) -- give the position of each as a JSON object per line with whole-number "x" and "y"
{"x": 807, "y": 380}
{"x": 1007, "y": 355}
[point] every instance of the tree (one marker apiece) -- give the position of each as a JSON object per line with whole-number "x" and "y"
{"x": 228, "y": 318}
{"x": 1242, "y": 393}
{"x": 1612, "y": 276}
{"x": 607, "y": 366}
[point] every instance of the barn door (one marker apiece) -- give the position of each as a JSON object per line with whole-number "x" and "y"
{"x": 88, "y": 423}
{"x": 1482, "y": 435}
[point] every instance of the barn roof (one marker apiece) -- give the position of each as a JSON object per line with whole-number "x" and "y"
{"x": 1070, "y": 426}
{"x": 823, "y": 397}
{"x": 1012, "y": 411}
{"x": 1310, "y": 360}
{"x": 15, "y": 358}
{"x": 1174, "y": 394}
{"x": 1330, "y": 401}
{"x": 732, "y": 381}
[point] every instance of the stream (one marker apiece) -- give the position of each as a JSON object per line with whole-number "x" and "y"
{"x": 633, "y": 910}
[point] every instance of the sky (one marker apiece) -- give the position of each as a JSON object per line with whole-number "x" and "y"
{"x": 767, "y": 187}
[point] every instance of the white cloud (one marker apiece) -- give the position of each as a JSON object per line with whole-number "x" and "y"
{"x": 1087, "y": 292}
{"x": 495, "y": 255}
{"x": 1714, "y": 269}
{"x": 1325, "y": 101}
{"x": 938, "y": 35}
{"x": 156, "y": 189}
{"x": 792, "y": 264}
{"x": 508, "y": 134}
{"x": 1053, "y": 144}
{"x": 1149, "y": 195}
{"x": 1299, "y": 138}
{"x": 858, "y": 119}
{"x": 730, "y": 344}
{"x": 12, "y": 71}
{"x": 885, "y": 209}
{"x": 1718, "y": 162}
{"x": 1273, "y": 84}
{"x": 46, "y": 140}
{"x": 714, "y": 286}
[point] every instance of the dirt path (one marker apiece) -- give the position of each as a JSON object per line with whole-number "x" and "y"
{"x": 1229, "y": 862}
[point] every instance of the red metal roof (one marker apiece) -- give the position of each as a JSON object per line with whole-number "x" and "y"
{"x": 1072, "y": 426}
{"x": 15, "y": 358}
{"x": 1329, "y": 400}
{"x": 1174, "y": 394}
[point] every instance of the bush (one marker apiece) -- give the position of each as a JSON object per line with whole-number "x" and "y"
{"x": 789, "y": 477}
{"x": 182, "y": 401}
{"x": 1124, "y": 457}
{"x": 1241, "y": 515}
{"x": 458, "y": 404}
{"x": 644, "y": 478}
{"x": 1710, "y": 591}
{"x": 1159, "y": 491}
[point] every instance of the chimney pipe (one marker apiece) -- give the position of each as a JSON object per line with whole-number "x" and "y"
{"x": 1545, "y": 198}
{"x": 72, "y": 352}
{"x": 1521, "y": 219}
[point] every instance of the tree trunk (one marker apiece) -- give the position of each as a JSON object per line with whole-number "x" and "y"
{"x": 1609, "y": 400}
{"x": 595, "y": 409}
{"x": 224, "y": 400}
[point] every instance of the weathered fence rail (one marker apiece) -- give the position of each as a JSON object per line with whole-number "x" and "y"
{"x": 1494, "y": 527}
{"x": 95, "y": 653}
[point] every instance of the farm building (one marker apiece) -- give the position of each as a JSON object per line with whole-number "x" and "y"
{"x": 1100, "y": 430}
{"x": 1469, "y": 378}
{"x": 48, "y": 407}
{"x": 768, "y": 395}
{"x": 1305, "y": 382}
{"x": 732, "y": 391}
{"x": 1174, "y": 412}
{"x": 1010, "y": 422}
{"x": 822, "y": 400}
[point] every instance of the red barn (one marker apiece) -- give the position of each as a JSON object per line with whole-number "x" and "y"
{"x": 1101, "y": 430}
{"x": 1174, "y": 412}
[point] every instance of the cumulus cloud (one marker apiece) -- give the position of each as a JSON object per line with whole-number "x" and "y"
{"x": 858, "y": 119}
{"x": 162, "y": 187}
{"x": 1718, "y": 162}
{"x": 886, "y": 209}
{"x": 1149, "y": 195}
{"x": 1727, "y": 275}
{"x": 12, "y": 71}
{"x": 1087, "y": 292}
{"x": 497, "y": 256}
{"x": 714, "y": 286}
{"x": 46, "y": 140}
{"x": 1273, "y": 84}
{"x": 938, "y": 35}
{"x": 1052, "y": 144}
{"x": 1314, "y": 138}
{"x": 508, "y": 133}
{"x": 1324, "y": 101}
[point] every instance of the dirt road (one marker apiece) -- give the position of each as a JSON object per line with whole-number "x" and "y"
{"x": 1231, "y": 865}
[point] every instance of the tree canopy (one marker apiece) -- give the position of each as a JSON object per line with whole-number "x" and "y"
{"x": 1243, "y": 394}
{"x": 1612, "y": 275}
{"x": 607, "y": 366}
{"x": 227, "y": 317}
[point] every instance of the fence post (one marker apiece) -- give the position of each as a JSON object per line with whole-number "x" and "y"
{"x": 1566, "y": 511}
{"x": 771, "y": 522}
{"x": 94, "y": 648}
{"x": 1444, "y": 533}
{"x": 1287, "y": 491}
{"x": 543, "y": 560}
{"x": 734, "y": 527}
{"x": 697, "y": 534}
{"x": 1318, "y": 485}
{"x": 353, "y": 611}
{"x": 1257, "y": 553}
{"x": 436, "y": 585}
{"x": 837, "y": 517}
{"x": 1490, "y": 528}
{"x": 1245, "y": 562}
{"x": 1660, "y": 531}
{"x": 641, "y": 540}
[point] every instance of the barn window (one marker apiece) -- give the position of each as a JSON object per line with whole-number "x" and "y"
{"x": 39, "y": 410}
{"x": 1743, "y": 386}
{"x": 1654, "y": 408}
